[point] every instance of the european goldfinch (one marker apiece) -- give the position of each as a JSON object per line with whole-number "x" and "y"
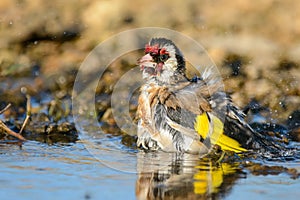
{"x": 178, "y": 114}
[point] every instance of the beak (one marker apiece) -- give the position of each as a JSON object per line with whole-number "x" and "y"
{"x": 145, "y": 58}
{"x": 149, "y": 66}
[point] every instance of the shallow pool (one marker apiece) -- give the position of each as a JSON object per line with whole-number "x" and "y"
{"x": 74, "y": 171}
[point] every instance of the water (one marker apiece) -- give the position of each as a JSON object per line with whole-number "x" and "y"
{"x": 265, "y": 187}
{"x": 39, "y": 171}
{"x": 72, "y": 171}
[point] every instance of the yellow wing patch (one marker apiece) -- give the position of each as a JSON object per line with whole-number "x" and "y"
{"x": 213, "y": 127}
{"x": 202, "y": 125}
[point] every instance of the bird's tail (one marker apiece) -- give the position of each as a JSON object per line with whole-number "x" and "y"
{"x": 236, "y": 127}
{"x": 231, "y": 131}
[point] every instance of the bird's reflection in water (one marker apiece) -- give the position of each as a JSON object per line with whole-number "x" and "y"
{"x": 174, "y": 176}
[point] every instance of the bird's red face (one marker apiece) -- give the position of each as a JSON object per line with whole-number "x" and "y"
{"x": 152, "y": 63}
{"x": 162, "y": 62}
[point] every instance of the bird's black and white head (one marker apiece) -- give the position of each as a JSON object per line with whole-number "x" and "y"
{"x": 162, "y": 61}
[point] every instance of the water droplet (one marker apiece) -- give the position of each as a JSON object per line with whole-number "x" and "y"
{"x": 62, "y": 80}
{"x": 23, "y": 90}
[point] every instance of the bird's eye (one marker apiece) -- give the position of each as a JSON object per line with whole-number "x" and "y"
{"x": 163, "y": 57}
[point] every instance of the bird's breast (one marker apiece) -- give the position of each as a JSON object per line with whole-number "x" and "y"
{"x": 147, "y": 101}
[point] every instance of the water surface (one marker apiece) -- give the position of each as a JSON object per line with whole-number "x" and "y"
{"x": 71, "y": 171}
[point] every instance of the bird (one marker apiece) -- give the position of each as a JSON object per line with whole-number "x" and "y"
{"x": 176, "y": 113}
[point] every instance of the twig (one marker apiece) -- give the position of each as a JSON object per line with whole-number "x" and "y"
{"x": 11, "y": 132}
{"x": 28, "y": 113}
{"x": 4, "y": 109}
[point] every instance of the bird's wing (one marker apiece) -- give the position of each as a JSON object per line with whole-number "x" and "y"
{"x": 203, "y": 111}
{"x": 205, "y": 127}
{"x": 184, "y": 102}
{"x": 183, "y": 105}
{"x": 194, "y": 95}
